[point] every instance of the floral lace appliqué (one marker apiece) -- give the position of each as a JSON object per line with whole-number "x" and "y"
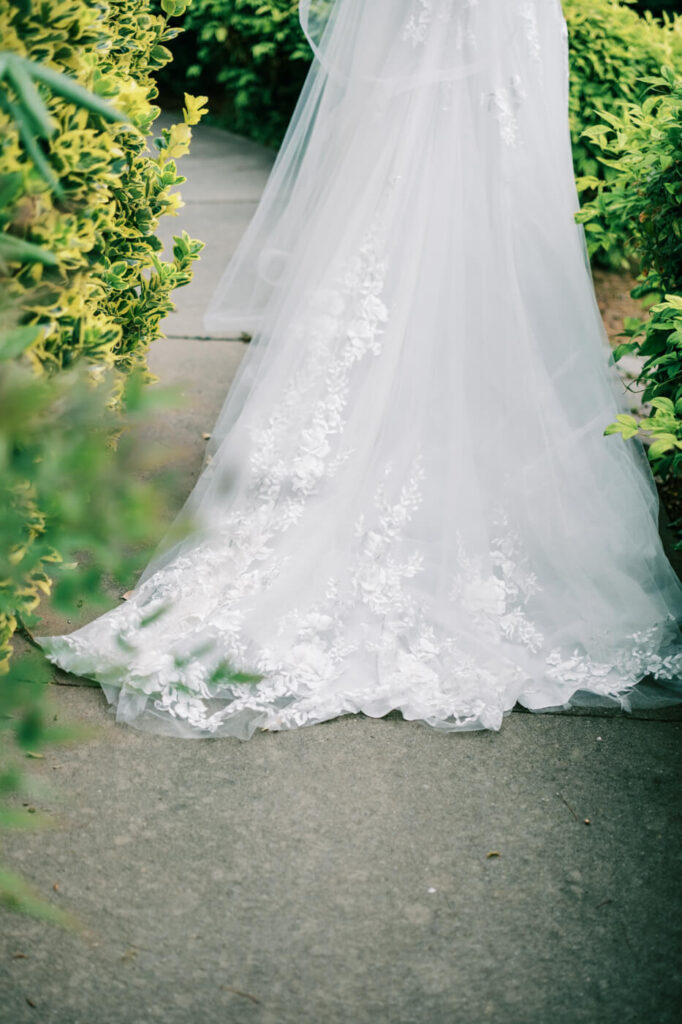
{"x": 505, "y": 103}
{"x": 425, "y": 14}
{"x": 529, "y": 15}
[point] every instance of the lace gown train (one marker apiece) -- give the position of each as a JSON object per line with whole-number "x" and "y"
{"x": 410, "y": 502}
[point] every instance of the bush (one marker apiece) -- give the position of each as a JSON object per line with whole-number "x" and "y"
{"x": 249, "y": 56}
{"x": 110, "y": 289}
{"x": 643, "y": 147}
{"x": 611, "y": 48}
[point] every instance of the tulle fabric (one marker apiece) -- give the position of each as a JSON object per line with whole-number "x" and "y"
{"x": 409, "y": 502}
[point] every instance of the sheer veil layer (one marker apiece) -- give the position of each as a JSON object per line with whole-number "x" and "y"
{"x": 409, "y": 501}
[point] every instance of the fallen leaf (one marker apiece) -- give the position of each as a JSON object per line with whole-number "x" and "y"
{"x": 19, "y": 956}
{"x": 493, "y": 853}
{"x": 566, "y": 804}
{"x": 238, "y": 992}
{"x": 30, "y": 1002}
{"x": 35, "y": 754}
{"x": 129, "y": 954}
{"x": 56, "y": 886}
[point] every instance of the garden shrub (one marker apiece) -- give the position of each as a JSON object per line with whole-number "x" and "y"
{"x": 611, "y": 48}
{"x": 110, "y": 288}
{"x": 643, "y": 146}
{"x": 249, "y": 56}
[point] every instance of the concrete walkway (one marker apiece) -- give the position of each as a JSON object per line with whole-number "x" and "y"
{"x": 357, "y": 872}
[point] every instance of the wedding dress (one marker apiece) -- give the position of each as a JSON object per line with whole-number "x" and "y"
{"x": 409, "y": 501}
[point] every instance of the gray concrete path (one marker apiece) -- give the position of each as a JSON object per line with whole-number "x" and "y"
{"x": 356, "y": 872}
{"x": 225, "y": 177}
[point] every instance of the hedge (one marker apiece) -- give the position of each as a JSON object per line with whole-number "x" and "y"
{"x": 249, "y": 56}
{"x": 643, "y": 148}
{"x": 611, "y": 48}
{"x": 110, "y": 289}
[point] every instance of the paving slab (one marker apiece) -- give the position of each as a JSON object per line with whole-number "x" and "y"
{"x": 225, "y": 175}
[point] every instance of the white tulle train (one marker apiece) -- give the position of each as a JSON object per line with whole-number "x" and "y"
{"x": 410, "y": 503}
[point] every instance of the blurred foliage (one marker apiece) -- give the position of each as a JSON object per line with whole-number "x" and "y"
{"x": 83, "y": 289}
{"x": 75, "y": 511}
{"x": 642, "y": 146}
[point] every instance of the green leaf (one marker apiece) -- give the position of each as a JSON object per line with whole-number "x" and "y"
{"x": 19, "y": 818}
{"x": 10, "y": 187}
{"x": 245, "y": 677}
{"x": 31, "y": 145}
{"x": 17, "y": 250}
{"x": 18, "y": 896}
{"x": 33, "y": 107}
{"x": 626, "y": 420}
{"x": 664, "y": 404}
{"x": 624, "y": 350}
{"x": 16, "y": 340}
{"x": 71, "y": 90}
{"x": 661, "y": 446}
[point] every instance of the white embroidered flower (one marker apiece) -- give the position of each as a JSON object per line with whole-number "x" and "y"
{"x": 415, "y": 669}
{"x": 228, "y": 621}
{"x": 577, "y": 669}
{"x": 314, "y": 442}
{"x": 416, "y": 28}
{"x": 374, "y": 309}
{"x": 529, "y": 16}
{"x": 427, "y": 645}
{"x": 502, "y": 104}
{"x": 371, "y": 581}
{"x": 308, "y": 470}
{"x": 310, "y": 663}
{"x": 516, "y": 628}
{"x": 147, "y": 664}
{"x": 374, "y": 544}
